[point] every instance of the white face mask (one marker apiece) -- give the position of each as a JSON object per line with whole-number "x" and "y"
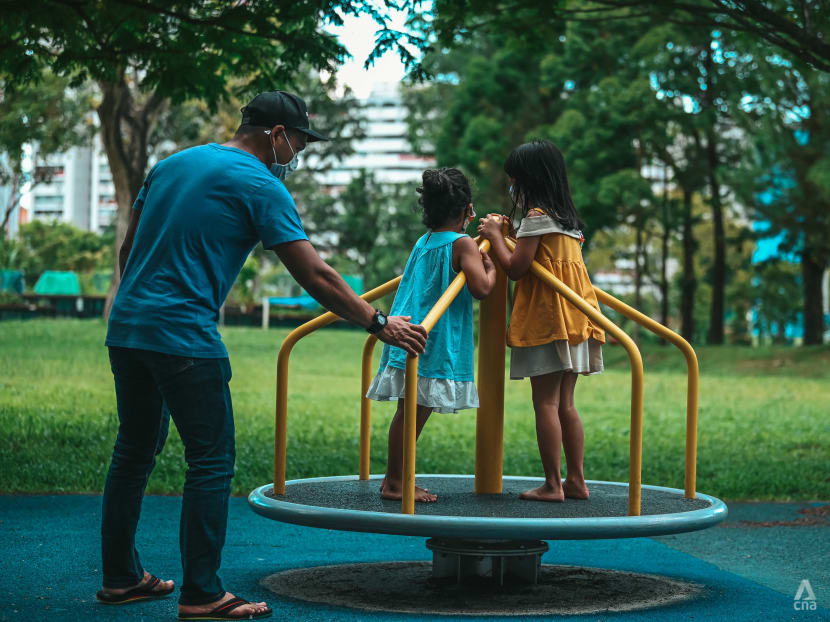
{"x": 470, "y": 217}
{"x": 281, "y": 171}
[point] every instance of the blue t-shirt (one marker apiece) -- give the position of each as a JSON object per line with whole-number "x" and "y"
{"x": 202, "y": 212}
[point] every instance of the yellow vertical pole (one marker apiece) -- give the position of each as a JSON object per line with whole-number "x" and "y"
{"x": 366, "y": 408}
{"x": 492, "y": 335}
{"x": 410, "y": 414}
{"x": 281, "y": 422}
{"x": 411, "y": 388}
{"x": 691, "y": 422}
{"x": 281, "y": 414}
{"x": 693, "y": 377}
{"x": 635, "y": 443}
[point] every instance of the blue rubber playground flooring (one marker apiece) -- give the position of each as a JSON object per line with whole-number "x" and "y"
{"x": 750, "y": 567}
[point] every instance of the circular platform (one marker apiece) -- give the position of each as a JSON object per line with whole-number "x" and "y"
{"x": 350, "y": 504}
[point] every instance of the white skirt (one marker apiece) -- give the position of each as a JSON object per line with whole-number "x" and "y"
{"x": 441, "y": 394}
{"x": 582, "y": 358}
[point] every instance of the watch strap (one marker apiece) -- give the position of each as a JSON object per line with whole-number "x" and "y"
{"x": 376, "y": 326}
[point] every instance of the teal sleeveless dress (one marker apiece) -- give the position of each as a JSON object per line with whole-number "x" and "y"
{"x": 445, "y": 369}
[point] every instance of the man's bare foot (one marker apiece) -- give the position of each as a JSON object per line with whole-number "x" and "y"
{"x": 545, "y": 492}
{"x": 242, "y": 612}
{"x": 163, "y": 586}
{"x": 390, "y": 491}
{"x": 575, "y": 489}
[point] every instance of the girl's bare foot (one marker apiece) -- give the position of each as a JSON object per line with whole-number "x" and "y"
{"x": 163, "y": 586}
{"x": 391, "y": 491}
{"x": 545, "y": 492}
{"x": 242, "y": 612}
{"x": 575, "y": 489}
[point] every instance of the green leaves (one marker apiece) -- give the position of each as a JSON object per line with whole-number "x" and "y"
{"x": 182, "y": 49}
{"x": 60, "y": 246}
{"x": 49, "y": 116}
{"x": 370, "y": 227}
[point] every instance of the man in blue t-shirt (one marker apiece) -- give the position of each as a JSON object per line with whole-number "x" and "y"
{"x": 197, "y": 217}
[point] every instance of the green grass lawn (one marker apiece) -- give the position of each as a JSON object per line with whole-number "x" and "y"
{"x": 764, "y": 425}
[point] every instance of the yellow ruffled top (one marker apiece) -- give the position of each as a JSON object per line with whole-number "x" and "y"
{"x": 540, "y": 315}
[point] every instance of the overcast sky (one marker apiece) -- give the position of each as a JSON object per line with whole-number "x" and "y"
{"x": 358, "y": 36}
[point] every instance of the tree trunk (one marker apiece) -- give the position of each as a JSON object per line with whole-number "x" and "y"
{"x": 715, "y": 335}
{"x": 14, "y": 198}
{"x": 125, "y": 133}
{"x": 664, "y": 259}
{"x": 638, "y": 276}
{"x": 716, "y": 331}
{"x": 781, "y": 337}
{"x": 688, "y": 285}
{"x": 812, "y": 273}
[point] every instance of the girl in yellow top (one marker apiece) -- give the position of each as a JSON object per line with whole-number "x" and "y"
{"x": 551, "y": 341}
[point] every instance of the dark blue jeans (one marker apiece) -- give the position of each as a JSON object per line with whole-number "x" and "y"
{"x": 197, "y": 395}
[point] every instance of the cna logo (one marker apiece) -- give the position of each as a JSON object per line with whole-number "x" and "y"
{"x": 805, "y": 598}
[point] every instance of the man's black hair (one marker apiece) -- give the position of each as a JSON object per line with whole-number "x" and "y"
{"x": 246, "y": 130}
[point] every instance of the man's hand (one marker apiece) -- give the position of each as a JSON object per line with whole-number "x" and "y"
{"x": 399, "y": 332}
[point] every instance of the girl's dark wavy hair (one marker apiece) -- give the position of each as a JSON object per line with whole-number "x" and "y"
{"x": 541, "y": 180}
{"x": 445, "y": 194}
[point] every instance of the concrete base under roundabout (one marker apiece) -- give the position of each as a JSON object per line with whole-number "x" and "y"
{"x": 408, "y": 587}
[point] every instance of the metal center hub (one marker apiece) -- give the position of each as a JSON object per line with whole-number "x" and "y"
{"x": 494, "y": 559}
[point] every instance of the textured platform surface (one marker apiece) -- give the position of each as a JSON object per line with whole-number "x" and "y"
{"x": 350, "y": 504}
{"x": 456, "y": 497}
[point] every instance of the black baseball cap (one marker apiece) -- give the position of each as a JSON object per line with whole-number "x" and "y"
{"x": 279, "y": 108}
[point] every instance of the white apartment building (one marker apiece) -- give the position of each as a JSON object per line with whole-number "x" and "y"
{"x": 385, "y": 151}
{"x": 76, "y": 188}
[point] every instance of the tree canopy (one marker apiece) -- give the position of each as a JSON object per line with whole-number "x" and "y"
{"x": 43, "y": 118}
{"x": 145, "y": 55}
{"x": 798, "y": 28}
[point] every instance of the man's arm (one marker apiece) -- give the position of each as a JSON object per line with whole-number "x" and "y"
{"x": 127, "y": 245}
{"x": 328, "y": 288}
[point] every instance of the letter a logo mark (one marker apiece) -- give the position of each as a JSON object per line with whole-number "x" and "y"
{"x": 805, "y": 587}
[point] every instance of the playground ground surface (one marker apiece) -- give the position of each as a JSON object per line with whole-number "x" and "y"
{"x": 749, "y": 567}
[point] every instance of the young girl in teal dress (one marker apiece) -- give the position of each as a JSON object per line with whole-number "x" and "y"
{"x": 445, "y": 369}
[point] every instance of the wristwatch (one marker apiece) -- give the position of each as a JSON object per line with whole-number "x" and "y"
{"x": 378, "y": 322}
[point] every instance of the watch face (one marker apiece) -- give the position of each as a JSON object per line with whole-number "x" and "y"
{"x": 381, "y": 319}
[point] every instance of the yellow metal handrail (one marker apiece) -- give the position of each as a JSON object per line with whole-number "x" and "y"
{"x": 692, "y": 373}
{"x": 410, "y": 400}
{"x": 366, "y": 375}
{"x": 635, "y": 461}
{"x": 281, "y": 424}
{"x": 411, "y": 390}
{"x": 366, "y": 407}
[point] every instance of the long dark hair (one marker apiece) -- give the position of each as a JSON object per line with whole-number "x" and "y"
{"x": 445, "y": 195}
{"x": 541, "y": 180}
